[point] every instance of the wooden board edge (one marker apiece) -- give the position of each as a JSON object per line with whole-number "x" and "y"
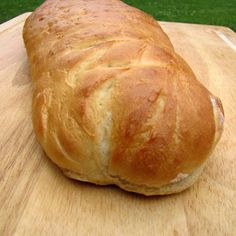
{"x": 13, "y": 22}
{"x": 218, "y": 27}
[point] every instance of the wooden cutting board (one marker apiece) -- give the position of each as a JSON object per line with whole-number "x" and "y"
{"x": 36, "y": 199}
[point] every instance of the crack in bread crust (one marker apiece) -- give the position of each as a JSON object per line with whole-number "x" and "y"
{"x": 143, "y": 189}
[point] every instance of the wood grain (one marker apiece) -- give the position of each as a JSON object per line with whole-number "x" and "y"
{"x": 36, "y": 199}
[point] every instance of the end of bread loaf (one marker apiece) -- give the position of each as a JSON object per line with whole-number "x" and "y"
{"x": 179, "y": 183}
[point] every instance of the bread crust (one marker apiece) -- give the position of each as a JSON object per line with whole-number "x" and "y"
{"x": 175, "y": 186}
{"x": 113, "y": 101}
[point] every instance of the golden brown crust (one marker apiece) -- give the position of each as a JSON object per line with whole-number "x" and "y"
{"x": 112, "y": 100}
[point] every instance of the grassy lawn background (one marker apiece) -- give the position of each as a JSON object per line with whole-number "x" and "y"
{"x": 212, "y": 12}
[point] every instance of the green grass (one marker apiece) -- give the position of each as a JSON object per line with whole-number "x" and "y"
{"x": 12, "y": 8}
{"x": 213, "y": 12}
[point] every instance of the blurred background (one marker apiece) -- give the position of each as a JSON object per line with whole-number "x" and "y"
{"x": 212, "y": 12}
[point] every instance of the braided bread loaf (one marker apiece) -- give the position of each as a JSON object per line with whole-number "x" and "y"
{"x": 112, "y": 101}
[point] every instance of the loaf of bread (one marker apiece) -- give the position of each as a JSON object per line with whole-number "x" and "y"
{"x": 113, "y": 103}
